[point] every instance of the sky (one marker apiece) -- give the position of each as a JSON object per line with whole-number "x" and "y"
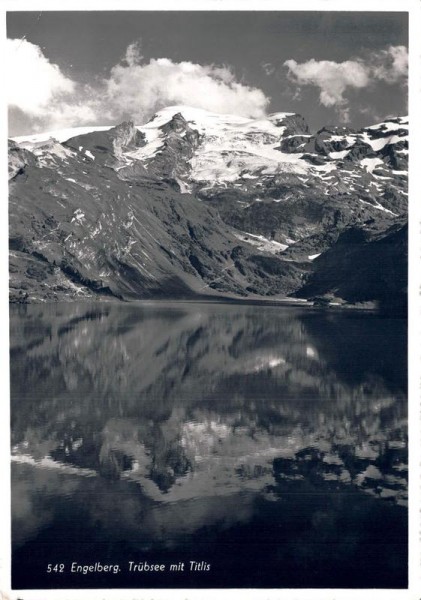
{"x": 67, "y": 69}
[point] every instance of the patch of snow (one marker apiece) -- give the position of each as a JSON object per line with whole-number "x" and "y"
{"x": 313, "y": 256}
{"x": 380, "y": 143}
{"x": 185, "y": 188}
{"x": 341, "y": 154}
{"x": 78, "y": 215}
{"x": 371, "y": 163}
{"x": 383, "y": 177}
{"x": 324, "y": 168}
{"x": 378, "y": 206}
{"x": 262, "y": 243}
{"x": 89, "y": 153}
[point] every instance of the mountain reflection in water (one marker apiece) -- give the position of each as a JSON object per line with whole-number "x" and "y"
{"x": 270, "y": 442}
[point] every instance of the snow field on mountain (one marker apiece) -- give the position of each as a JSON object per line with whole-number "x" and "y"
{"x": 231, "y": 145}
{"x": 236, "y": 152}
{"x": 380, "y": 143}
{"x": 61, "y": 135}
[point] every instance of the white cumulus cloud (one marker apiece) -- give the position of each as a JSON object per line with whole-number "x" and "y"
{"x": 140, "y": 88}
{"x": 134, "y": 88}
{"x": 391, "y": 64}
{"x": 33, "y": 81}
{"x": 331, "y": 78}
{"x": 39, "y": 89}
{"x": 334, "y": 78}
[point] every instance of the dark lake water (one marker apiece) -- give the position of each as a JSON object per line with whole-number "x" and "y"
{"x": 231, "y": 446}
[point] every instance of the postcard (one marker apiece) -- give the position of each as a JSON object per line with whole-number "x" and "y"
{"x": 213, "y": 349}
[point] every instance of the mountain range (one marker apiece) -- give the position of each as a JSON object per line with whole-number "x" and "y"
{"x": 195, "y": 204}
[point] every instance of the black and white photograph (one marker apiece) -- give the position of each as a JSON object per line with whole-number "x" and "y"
{"x": 208, "y": 299}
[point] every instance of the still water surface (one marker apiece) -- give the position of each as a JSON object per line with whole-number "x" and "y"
{"x": 268, "y": 445}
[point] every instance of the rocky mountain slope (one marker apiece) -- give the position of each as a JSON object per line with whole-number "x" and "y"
{"x": 196, "y": 203}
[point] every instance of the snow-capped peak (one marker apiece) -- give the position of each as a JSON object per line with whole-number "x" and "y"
{"x": 205, "y": 151}
{"x": 230, "y": 145}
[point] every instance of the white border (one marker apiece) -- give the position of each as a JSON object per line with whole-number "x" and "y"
{"x": 414, "y": 591}
{"x": 414, "y": 306}
{"x": 220, "y": 5}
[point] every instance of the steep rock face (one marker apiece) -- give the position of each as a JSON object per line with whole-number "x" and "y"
{"x": 19, "y": 158}
{"x": 297, "y": 143}
{"x": 360, "y": 268}
{"x": 108, "y": 147}
{"x": 101, "y": 235}
{"x": 293, "y": 124}
{"x": 180, "y": 142}
{"x": 334, "y": 139}
{"x": 197, "y": 202}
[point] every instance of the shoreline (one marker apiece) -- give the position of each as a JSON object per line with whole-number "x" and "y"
{"x": 229, "y": 300}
